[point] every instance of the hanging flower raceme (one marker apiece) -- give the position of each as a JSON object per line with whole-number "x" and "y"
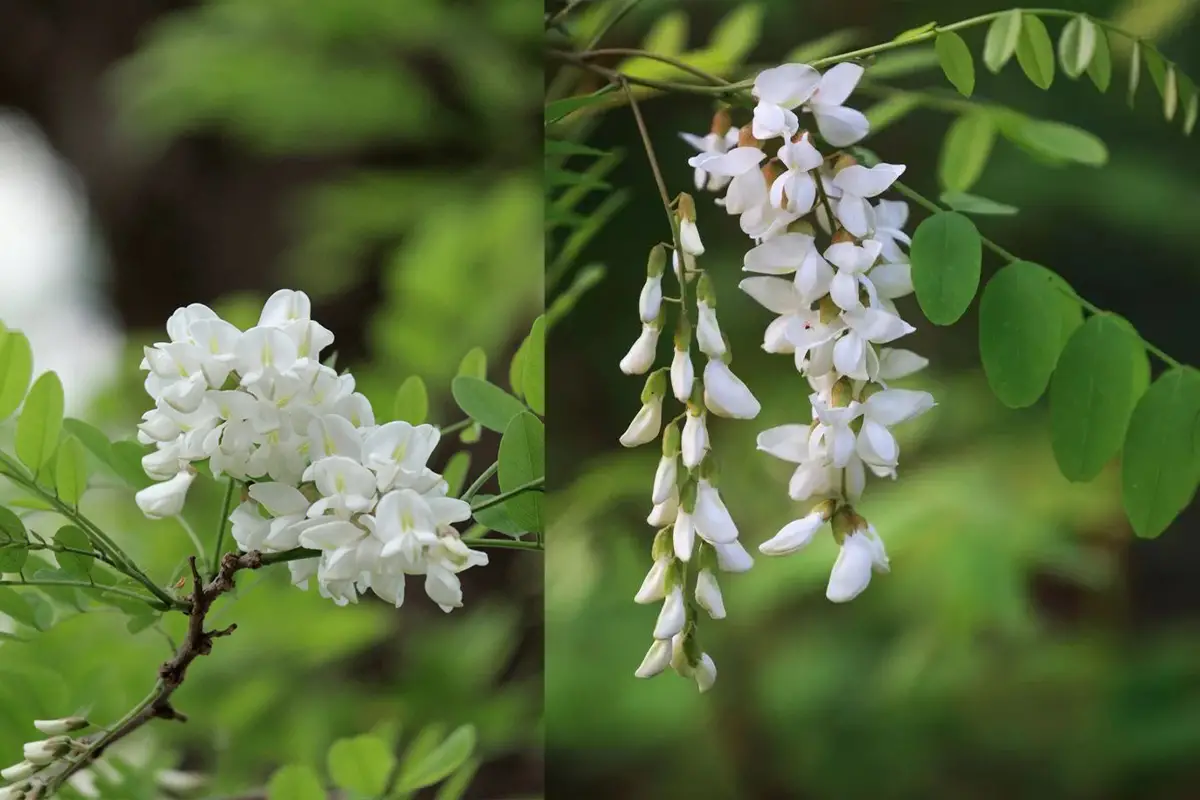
{"x": 834, "y": 303}
{"x": 697, "y": 537}
{"x": 320, "y": 473}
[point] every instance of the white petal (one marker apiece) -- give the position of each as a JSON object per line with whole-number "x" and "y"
{"x": 849, "y": 356}
{"x": 689, "y": 238}
{"x": 664, "y": 479}
{"x": 654, "y": 587}
{"x": 279, "y": 499}
{"x": 645, "y": 425}
{"x": 786, "y": 442}
{"x": 855, "y": 479}
{"x": 793, "y": 536}
{"x": 852, "y": 570}
{"x": 732, "y": 557}
{"x": 726, "y": 394}
{"x": 895, "y": 363}
{"x": 774, "y": 294}
{"x": 855, "y": 214}
{"x": 892, "y": 280}
{"x": 705, "y": 673}
{"x": 683, "y": 375}
{"x": 708, "y": 331}
{"x": 694, "y": 440}
{"x": 640, "y": 357}
{"x": 837, "y": 83}
{"x": 813, "y": 277}
{"x": 843, "y": 289}
{"x": 672, "y": 616}
{"x": 787, "y": 85}
{"x": 841, "y": 126}
{"x": 876, "y": 445}
{"x": 712, "y": 519}
{"x": 801, "y": 192}
{"x": 736, "y": 162}
{"x": 893, "y": 406}
{"x": 708, "y": 595}
{"x": 683, "y": 535}
{"x": 862, "y": 182}
{"x": 650, "y": 299}
{"x": 780, "y": 255}
{"x": 771, "y": 120}
{"x": 878, "y": 326}
{"x": 331, "y": 535}
{"x": 658, "y": 658}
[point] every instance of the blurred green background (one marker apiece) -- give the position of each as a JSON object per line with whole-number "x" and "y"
{"x": 1025, "y": 645}
{"x": 378, "y": 155}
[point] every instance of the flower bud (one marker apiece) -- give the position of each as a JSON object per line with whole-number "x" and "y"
{"x": 672, "y": 616}
{"x": 651, "y": 298}
{"x": 641, "y": 354}
{"x": 708, "y": 594}
{"x": 165, "y": 499}
{"x": 46, "y": 750}
{"x": 689, "y": 234}
{"x": 645, "y": 425}
{"x": 19, "y": 772}
{"x": 708, "y": 331}
{"x": 683, "y": 535}
{"x": 657, "y": 659}
{"x": 725, "y": 394}
{"x": 656, "y": 386}
{"x": 55, "y": 727}
{"x": 670, "y": 440}
{"x": 654, "y": 585}
{"x": 694, "y": 440}
{"x": 683, "y": 374}
{"x": 656, "y": 262}
{"x": 665, "y": 476}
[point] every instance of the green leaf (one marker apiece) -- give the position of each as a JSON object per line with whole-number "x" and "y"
{"x": 12, "y": 529}
{"x": 900, "y": 63}
{"x": 559, "y": 109}
{"x": 965, "y": 151}
{"x": 913, "y": 33}
{"x": 13, "y": 556}
{"x": 522, "y": 459}
{"x": 1189, "y": 99}
{"x": 1001, "y": 41}
{"x": 1160, "y": 467}
{"x": 16, "y": 369}
{"x": 974, "y": 204}
{"x": 18, "y": 606}
{"x": 1092, "y": 396}
{"x": 735, "y": 36}
{"x": 474, "y": 363}
{"x": 516, "y": 370}
{"x": 496, "y": 517}
{"x": 1035, "y": 52}
{"x": 955, "y": 58}
{"x": 891, "y": 110}
{"x": 71, "y": 471}
{"x": 13, "y": 538}
{"x": 560, "y": 147}
{"x": 455, "y": 472}
{"x": 412, "y": 401}
{"x": 1170, "y": 93}
{"x": 40, "y": 422}
{"x": 1100, "y": 68}
{"x": 458, "y": 783}
{"x": 946, "y": 256}
{"x": 533, "y": 367}
{"x": 1135, "y": 71}
{"x": 1056, "y": 141}
{"x": 73, "y": 564}
{"x": 1021, "y": 320}
{"x": 442, "y": 762}
{"x": 486, "y": 403}
{"x": 1141, "y": 372}
{"x": 668, "y": 36}
{"x": 1156, "y": 65}
{"x": 361, "y": 764}
{"x": 1077, "y": 45}
{"x": 295, "y": 782}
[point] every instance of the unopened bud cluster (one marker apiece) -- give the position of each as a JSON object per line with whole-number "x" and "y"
{"x": 43, "y": 759}
{"x": 696, "y": 535}
{"x": 261, "y": 408}
{"x": 834, "y": 304}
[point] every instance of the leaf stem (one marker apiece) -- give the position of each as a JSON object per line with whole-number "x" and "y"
{"x": 225, "y": 505}
{"x": 504, "y": 544}
{"x": 462, "y": 424}
{"x": 474, "y": 488}
{"x": 535, "y": 484}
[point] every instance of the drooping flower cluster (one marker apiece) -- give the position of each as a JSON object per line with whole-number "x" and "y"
{"x": 697, "y": 535}
{"x": 42, "y": 759}
{"x": 834, "y": 304}
{"x": 262, "y": 409}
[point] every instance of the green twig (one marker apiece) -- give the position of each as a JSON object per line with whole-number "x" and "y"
{"x": 474, "y": 488}
{"x": 462, "y": 424}
{"x": 503, "y": 544}
{"x": 225, "y": 505}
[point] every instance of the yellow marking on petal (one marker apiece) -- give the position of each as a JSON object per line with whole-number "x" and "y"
{"x": 399, "y": 452}
{"x": 340, "y": 483}
{"x": 329, "y": 443}
{"x": 406, "y": 521}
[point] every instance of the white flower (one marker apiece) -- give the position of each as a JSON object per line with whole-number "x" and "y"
{"x": 715, "y": 144}
{"x": 875, "y": 444}
{"x": 738, "y": 161}
{"x": 673, "y": 615}
{"x": 708, "y": 594}
{"x": 405, "y": 522}
{"x": 397, "y": 452}
{"x": 838, "y": 125}
{"x": 853, "y": 354}
{"x": 446, "y": 559}
{"x": 683, "y": 375}
{"x": 794, "y": 536}
{"x": 708, "y": 331}
{"x": 833, "y": 432}
{"x": 732, "y": 557}
{"x": 778, "y": 91}
{"x": 890, "y": 218}
{"x": 645, "y": 425}
{"x": 857, "y": 183}
{"x": 265, "y": 353}
{"x": 795, "y": 190}
{"x": 346, "y": 486}
{"x": 664, "y": 479}
{"x": 725, "y": 394}
{"x": 654, "y": 585}
{"x": 852, "y": 262}
{"x": 47, "y": 750}
{"x": 664, "y": 513}
{"x": 640, "y": 357}
{"x": 658, "y": 658}
{"x": 650, "y": 299}
{"x": 712, "y": 519}
{"x": 24, "y": 769}
{"x": 165, "y": 499}
{"x": 694, "y": 440}
{"x": 683, "y": 535}
{"x": 861, "y": 553}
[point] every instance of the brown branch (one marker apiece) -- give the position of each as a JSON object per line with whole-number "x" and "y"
{"x": 197, "y": 642}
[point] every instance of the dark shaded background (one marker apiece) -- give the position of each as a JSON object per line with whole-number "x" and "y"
{"x": 1025, "y": 644}
{"x": 226, "y": 149}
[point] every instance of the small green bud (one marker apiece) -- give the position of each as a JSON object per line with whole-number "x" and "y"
{"x": 656, "y": 386}
{"x": 671, "y": 440}
{"x": 663, "y": 546}
{"x": 829, "y": 310}
{"x": 705, "y": 292}
{"x": 657, "y": 262}
{"x": 687, "y": 494}
{"x": 868, "y": 390}
{"x": 706, "y": 557}
{"x": 801, "y": 226}
{"x": 691, "y": 648}
{"x": 674, "y": 575}
{"x": 843, "y": 523}
{"x": 683, "y": 333}
{"x": 709, "y": 470}
{"x": 685, "y": 207}
{"x": 696, "y": 401}
{"x": 841, "y": 394}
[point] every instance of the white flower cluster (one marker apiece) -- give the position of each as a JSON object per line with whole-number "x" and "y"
{"x": 686, "y": 502}
{"x": 835, "y": 305}
{"x": 262, "y": 409}
{"x": 42, "y": 758}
